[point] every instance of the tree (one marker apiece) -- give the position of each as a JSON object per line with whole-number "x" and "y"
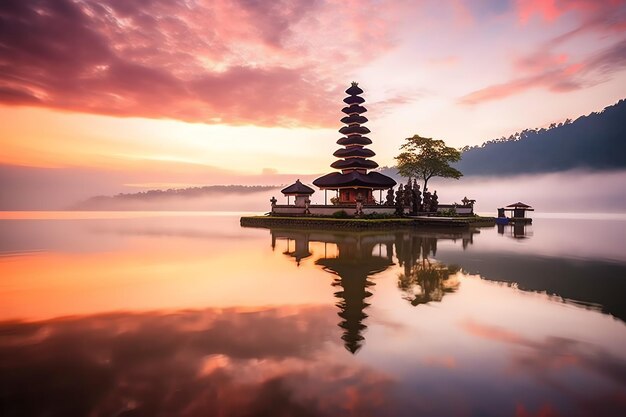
{"x": 425, "y": 158}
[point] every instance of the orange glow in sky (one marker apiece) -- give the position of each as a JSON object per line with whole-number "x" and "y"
{"x": 192, "y": 98}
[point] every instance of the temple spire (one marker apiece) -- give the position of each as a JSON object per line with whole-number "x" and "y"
{"x": 354, "y": 163}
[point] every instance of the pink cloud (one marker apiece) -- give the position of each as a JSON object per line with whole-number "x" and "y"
{"x": 555, "y": 74}
{"x": 444, "y": 361}
{"x": 491, "y": 332}
{"x": 550, "y": 10}
{"x": 242, "y": 62}
{"x": 540, "y": 60}
{"x": 543, "y": 357}
{"x": 213, "y": 362}
{"x": 553, "y": 70}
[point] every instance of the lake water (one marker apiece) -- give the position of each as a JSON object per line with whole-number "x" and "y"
{"x": 169, "y": 314}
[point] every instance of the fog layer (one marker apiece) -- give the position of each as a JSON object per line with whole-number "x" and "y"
{"x": 570, "y": 191}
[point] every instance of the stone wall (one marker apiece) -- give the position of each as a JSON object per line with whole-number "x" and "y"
{"x": 329, "y": 210}
{"x": 355, "y": 224}
{"x": 460, "y": 209}
{"x": 322, "y": 224}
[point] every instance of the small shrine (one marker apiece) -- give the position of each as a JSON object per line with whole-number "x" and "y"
{"x": 353, "y": 182}
{"x": 300, "y": 192}
{"x": 518, "y": 212}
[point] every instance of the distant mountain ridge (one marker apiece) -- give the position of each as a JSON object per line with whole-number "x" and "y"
{"x": 175, "y": 198}
{"x": 594, "y": 142}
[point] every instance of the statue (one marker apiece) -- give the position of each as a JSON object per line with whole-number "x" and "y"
{"x": 417, "y": 198}
{"x": 434, "y": 204}
{"x": 389, "y": 199}
{"x": 273, "y": 201}
{"x": 400, "y": 200}
{"x": 307, "y": 202}
{"x": 467, "y": 202}
{"x": 359, "y": 204}
{"x": 408, "y": 194}
{"x": 427, "y": 200}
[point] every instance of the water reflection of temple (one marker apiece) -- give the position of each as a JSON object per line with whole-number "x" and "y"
{"x": 426, "y": 276}
{"x": 354, "y": 264}
{"x": 300, "y": 246}
{"x": 361, "y": 255}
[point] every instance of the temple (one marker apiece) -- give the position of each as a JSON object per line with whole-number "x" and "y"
{"x": 354, "y": 183}
{"x": 355, "y": 180}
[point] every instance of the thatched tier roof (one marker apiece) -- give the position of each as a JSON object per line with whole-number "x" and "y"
{"x": 354, "y": 100}
{"x": 335, "y": 180}
{"x": 361, "y": 130}
{"x": 354, "y": 140}
{"x": 358, "y": 163}
{"x": 519, "y": 204}
{"x": 354, "y": 118}
{"x": 354, "y": 90}
{"x": 355, "y": 151}
{"x": 355, "y": 108}
{"x": 297, "y": 188}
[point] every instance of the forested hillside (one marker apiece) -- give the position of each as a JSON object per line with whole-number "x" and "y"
{"x": 596, "y": 142}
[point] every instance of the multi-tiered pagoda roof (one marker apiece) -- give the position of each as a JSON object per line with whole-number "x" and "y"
{"x": 354, "y": 161}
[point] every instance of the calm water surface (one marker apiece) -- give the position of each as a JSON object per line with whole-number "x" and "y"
{"x": 163, "y": 314}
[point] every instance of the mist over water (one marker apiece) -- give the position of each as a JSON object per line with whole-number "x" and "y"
{"x": 214, "y": 201}
{"x": 561, "y": 192}
{"x": 566, "y": 192}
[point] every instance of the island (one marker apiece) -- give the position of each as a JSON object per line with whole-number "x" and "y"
{"x": 354, "y": 185}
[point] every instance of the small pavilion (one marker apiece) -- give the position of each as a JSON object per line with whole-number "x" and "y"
{"x": 301, "y": 193}
{"x": 354, "y": 183}
{"x": 518, "y": 211}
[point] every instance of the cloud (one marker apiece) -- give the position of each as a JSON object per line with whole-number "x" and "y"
{"x": 550, "y": 10}
{"x": 543, "y": 358}
{"x": 395, "y": 99}
{"x": 12, "y": 95}
{"x": 556, "y": 77}
{"x": 245, "y": 62}
{"x": 551, "y": 80}
{"x": 188, "y": 363}
{"x": 549, "y": 68}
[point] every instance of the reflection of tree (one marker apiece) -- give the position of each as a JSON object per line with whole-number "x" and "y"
{"x": 428, "y": 281}
{"x": 424, "y": 280}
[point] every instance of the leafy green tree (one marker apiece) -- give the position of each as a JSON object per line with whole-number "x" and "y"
{"x": 424, "y": 158}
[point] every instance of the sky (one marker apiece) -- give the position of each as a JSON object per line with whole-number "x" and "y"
{"x": 103, "y": 96}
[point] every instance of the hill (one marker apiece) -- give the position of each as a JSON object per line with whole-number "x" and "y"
{"x": 192, "y": 198}
{"x": 594, "y": 142}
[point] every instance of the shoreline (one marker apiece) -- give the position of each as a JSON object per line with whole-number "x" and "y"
{"x": 393, "y": 223}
